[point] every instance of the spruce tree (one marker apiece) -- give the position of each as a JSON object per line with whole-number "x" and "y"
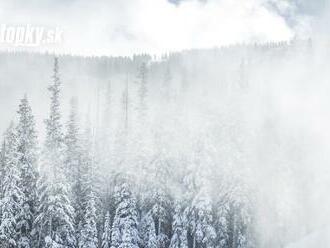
{"x": 72, "y": 155}
{"x": 142, "y": 91}
{"x": 54, "y": 135}
{"x": 2, "y": 167}
{"x": 201, "y": 232}
{"x": 179, "y": 226}
{"x": 92, "y": 176}
{"x": 88, "y": 237}
{"x": 125, "y": 225}
{"x": 166, "y": 87}
{"x": 203, "y": 229}
{"x": 161, "y": 200}
{"x": 12, "y": 200}
{"x": 27, "y": 162}
{"x": 106, "y": 237}
{"x": 148, "y": 232}
{"x": 75, "y": 168}
{"x": 55, "y": 215}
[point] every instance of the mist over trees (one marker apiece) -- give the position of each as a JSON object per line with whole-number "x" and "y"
{"x": 152, "y": 153}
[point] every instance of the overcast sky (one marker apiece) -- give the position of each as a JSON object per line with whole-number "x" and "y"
{"x": 124, "y": 27}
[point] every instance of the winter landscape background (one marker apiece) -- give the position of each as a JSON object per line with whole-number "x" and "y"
{"x": 201, "y": 143}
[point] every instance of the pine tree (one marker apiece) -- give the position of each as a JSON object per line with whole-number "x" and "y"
{"x": 204, "y": 231}
{"x": 88, "y": 237}
{"x": 55, "y": 213}
{"x": 106, "y": 237}
{"x": 54, "y": 136}
{"x": 72, "y": 155}
{"x": 2, "y": 167}
{"x": 179, "y": 237}
{"x": 55, "y": 216}
{"x": 106, "y": 153}
{"x": 142, "y": 91}
{"x": 76, "y": 168}
{"x": 93, "y": 176}
{"x": 124, "y": 229}
{"x": 237, "y": 231}
{"x": 201, "y": 232}
{"x": 11, "y": 203}
{"x": 148, "y": 232}
{"x": 161, "y": 200}
{"x": 221, "y": 222}
{"x": 166, "y": 87}
{"x": 107, "y": 120}
{"x": 125, "y": 105}
{"x": 40, "y": 222}
{"x": 27, "y": 162}
{"x": 160, "y": 212}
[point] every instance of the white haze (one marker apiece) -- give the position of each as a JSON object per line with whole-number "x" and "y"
{"x": 285, "y": 111}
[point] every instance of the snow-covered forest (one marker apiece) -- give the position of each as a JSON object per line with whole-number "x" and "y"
{"x": 190, "y": 149}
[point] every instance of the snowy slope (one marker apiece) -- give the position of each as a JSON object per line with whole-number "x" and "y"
{"x": 317, "y": 239}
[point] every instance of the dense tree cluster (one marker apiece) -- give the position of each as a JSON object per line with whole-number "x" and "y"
{"x": 142, "y": 175}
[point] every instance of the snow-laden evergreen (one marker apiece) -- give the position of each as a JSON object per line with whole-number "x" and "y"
{"x": 142, "y": 80}
{"x": 88, "y": 237}
{"x": 76, "y": 169}
{"x": 106, "y": 237}
{"x": 55, "y": 218}
{"x": 12, "y": 200}
{"x": 156, "y": 163}
{"x": 125, "y": 224}
{"x": 148, "y": 232}
{"x": 179, "y": 238}
{"x": 27, "y": 162}
{"x": 202, "y": 224}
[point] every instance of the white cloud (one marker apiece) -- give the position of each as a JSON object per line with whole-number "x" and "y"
{"x": 154, "y": 26}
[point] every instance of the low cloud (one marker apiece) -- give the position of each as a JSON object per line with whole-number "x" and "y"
{"x": 154, "y": 26}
